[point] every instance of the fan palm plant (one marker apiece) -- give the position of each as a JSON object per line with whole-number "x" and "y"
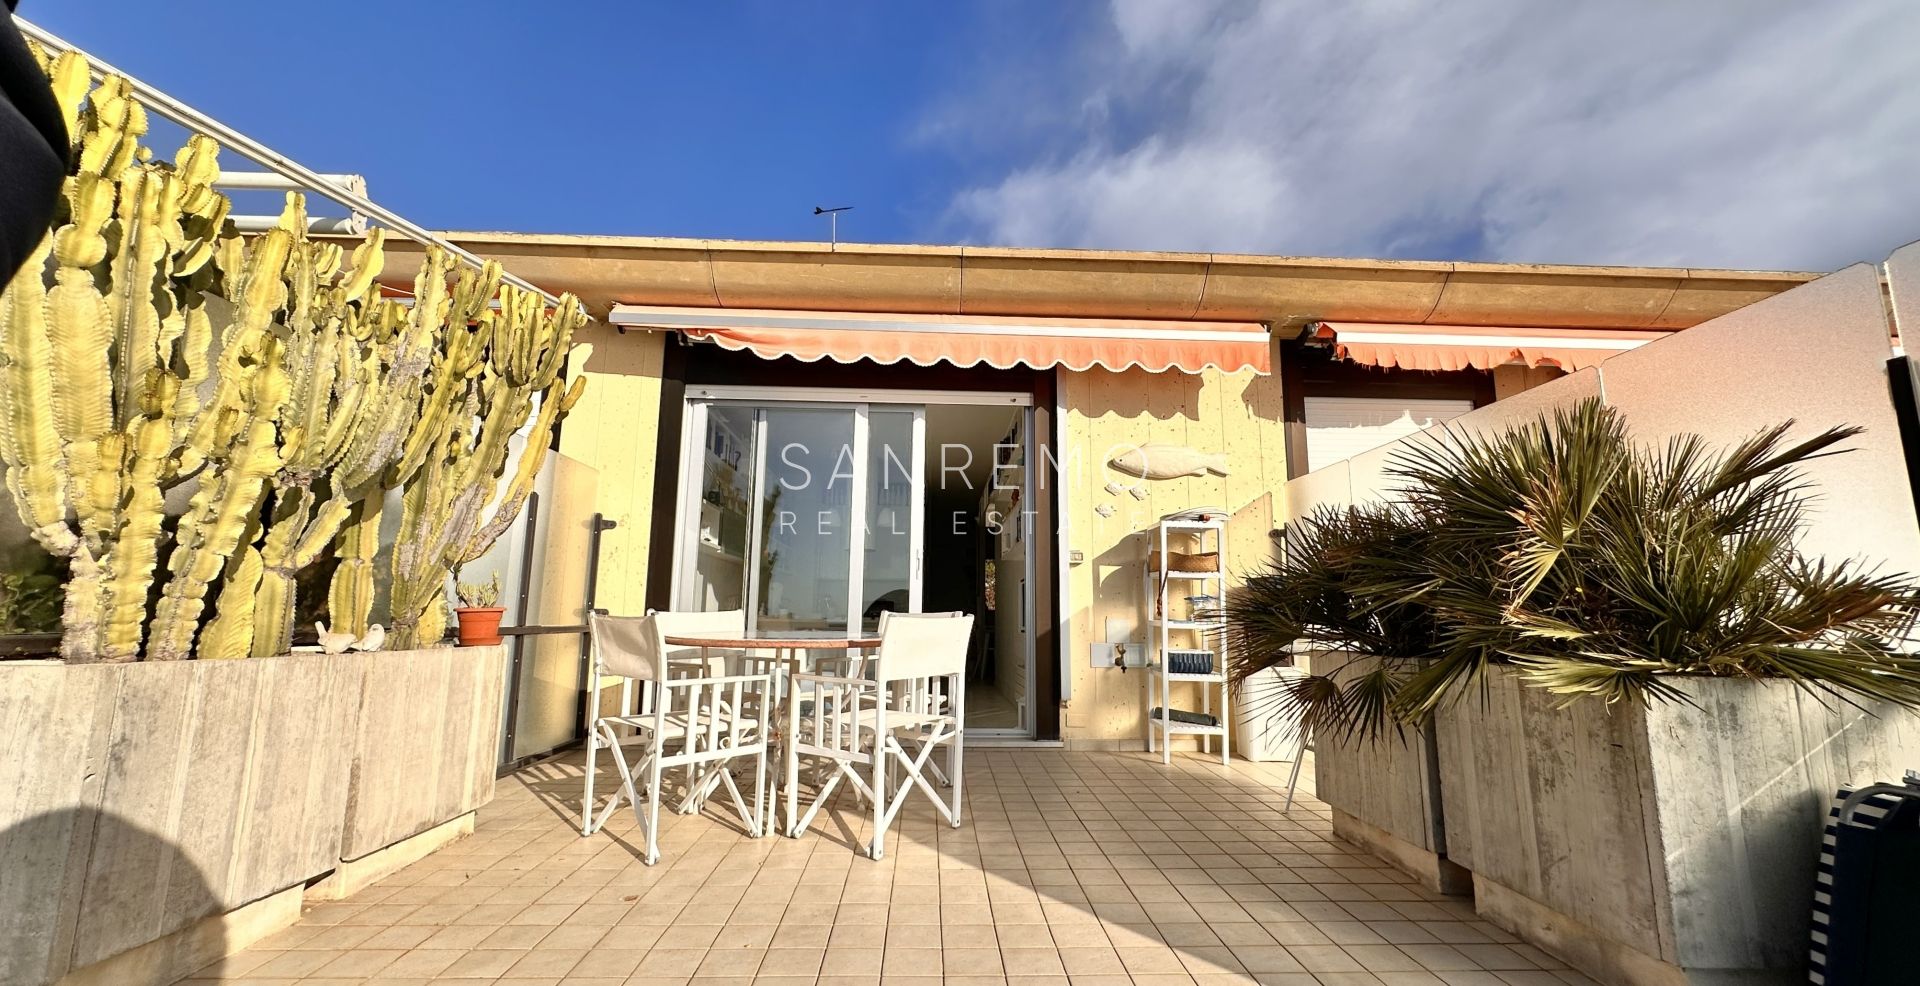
{"x": 1592, "y": 567}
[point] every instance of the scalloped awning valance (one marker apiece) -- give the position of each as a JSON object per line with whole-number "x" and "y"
{"x": 966, "y": 340}
{"x": 1457, "y": 347}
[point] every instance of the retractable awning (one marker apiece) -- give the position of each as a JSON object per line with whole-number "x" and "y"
{"x": 965, "y": 340}
{"x": 1457, "y": 347}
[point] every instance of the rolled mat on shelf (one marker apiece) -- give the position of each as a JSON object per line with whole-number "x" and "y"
{"x": 1186, "y": 718}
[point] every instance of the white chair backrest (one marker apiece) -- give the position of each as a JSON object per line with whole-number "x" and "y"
{"x": 924, "y": 645}
{"x": 636, "y": 646}
{"x": 626, "y": 646}
{"x": 887, "y": 614}
{"x": 725, "y": 623}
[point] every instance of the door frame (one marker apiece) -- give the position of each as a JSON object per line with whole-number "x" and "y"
{"x": 685, "y": 495}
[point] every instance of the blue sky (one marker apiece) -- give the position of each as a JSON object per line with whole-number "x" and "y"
{"x": 1743, "y": 133}
{"x": 583, "y": 117}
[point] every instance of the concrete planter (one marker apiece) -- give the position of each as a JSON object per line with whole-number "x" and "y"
{"x": 426, "y": 745}
{"x": 160, "y": 815}
{"x": 1386, "y": 796}
{"x": 1664, "y": 845}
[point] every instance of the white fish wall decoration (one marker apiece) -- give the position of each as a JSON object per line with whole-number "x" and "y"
{"x": 1169, "y": 462}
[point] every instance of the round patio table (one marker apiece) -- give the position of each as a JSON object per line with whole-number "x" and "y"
{"x": 788, "y": 650}
{"x": 776, "y": 642}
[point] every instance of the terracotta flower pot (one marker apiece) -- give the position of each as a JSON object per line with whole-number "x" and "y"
{"x": 479, "y": 625}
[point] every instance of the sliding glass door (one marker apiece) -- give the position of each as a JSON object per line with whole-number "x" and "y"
{"x": 806, "y": 515}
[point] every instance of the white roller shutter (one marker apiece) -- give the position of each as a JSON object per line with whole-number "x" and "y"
{"x": 1343, "y": 427}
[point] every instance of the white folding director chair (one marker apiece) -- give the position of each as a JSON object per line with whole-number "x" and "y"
{"x": 692, "y": 714}
{"x": 865, "y": 725}
{"x": 939, "y": 699}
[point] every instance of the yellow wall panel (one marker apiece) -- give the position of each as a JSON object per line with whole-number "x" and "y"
{"x": 1107, "y": 413}
{"x": 614, "y": 428}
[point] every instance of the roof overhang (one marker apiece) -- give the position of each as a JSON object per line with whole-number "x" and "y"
{"x": 1284, "y": 293}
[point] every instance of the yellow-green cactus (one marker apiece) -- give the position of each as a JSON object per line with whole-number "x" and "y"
{"x": 443, "y": 523}
{"x": 350, "y": 596}
{"x": 147, "y": 345}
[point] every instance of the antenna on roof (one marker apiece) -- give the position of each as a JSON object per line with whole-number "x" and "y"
{"x": 833, "y": 222}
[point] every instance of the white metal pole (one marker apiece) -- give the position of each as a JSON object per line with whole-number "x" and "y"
{"x": 228, "y": 137}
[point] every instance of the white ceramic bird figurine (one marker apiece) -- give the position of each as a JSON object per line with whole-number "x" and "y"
{"x": 375, "y": 638}
{"x": 332, "y": 643}
{"x": 1104, "y": 510}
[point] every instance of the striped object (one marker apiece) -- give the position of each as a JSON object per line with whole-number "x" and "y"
{"x": 1189, "y": 662}
{"x": 1871, "y": 812}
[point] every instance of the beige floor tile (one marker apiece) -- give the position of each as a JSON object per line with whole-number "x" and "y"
{"x": 1187, "y": 934}
{"x": 292, "y": 965}
{"x": 969, "y": 936}
{"x": 792, "y": 962}
{"x": 1031, "y": 962}
{"x": 1422, "y": 978}
{"x": 546, "y": 962}
{"x": 1100, "y": 961}
{"x": 670, "y": 962}
{"x": 423, "y": 962}
{"x": 487, "y": 963}
{"x": 1162, "y": 979}
{"x": 911, "y": 961}
{"x": 1498, "y": 957}
{"x": 458, "y": 937}
{"x": 575, "y": 936}
{"x": 607, "y": 962}
{"x": 857, "y": 936}
{"x": 852, "y": 962}
{"x": 730, "y": 962}
{"x": 520, "y": 936}
{"x": 972, "y": 962}
{"x": 1024, "y": 936}
{"x": 689, "y": 936}
{"x": 1383, "y": 958}
{"x": 1442, "y": 958}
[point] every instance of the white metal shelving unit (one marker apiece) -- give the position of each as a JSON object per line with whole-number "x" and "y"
{"x": 1172, "y": 630}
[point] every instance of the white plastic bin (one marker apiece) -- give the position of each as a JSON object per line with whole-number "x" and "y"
{"x": 1261, "y": 730}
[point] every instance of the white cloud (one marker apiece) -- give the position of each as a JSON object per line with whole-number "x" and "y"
{"x": 1704, "y": 134}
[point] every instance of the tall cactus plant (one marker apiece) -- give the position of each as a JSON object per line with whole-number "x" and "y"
{"x": 289, "y": 423}
{"x": 444, "y": 520}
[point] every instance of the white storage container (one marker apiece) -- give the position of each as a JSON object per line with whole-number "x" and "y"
{"x": 1261, "y": 729}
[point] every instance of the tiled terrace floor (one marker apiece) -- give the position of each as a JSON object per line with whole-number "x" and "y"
{"x": 1074, "y": 869}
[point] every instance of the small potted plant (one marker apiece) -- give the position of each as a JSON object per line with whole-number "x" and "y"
{"x": 478, "y": 613}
